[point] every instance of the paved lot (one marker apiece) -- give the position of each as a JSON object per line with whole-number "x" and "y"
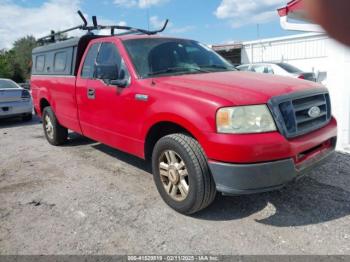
{"x": 86, "y": 198}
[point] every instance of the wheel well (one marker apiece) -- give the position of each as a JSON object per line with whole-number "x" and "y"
{"x": 43, "y": 103}
{"x": 158, "y": 131}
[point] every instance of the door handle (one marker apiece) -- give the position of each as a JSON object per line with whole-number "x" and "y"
{"x": 141, "y": 97}
{"x": 91, "y": 93}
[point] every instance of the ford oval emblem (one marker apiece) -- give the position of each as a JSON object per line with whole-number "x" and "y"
{"x": 314, "y": 112}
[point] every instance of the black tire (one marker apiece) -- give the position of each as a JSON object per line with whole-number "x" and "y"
{"x": 28, "y": 117}
{"x": 202, "y": 190}
{"x": 59, "y": 133}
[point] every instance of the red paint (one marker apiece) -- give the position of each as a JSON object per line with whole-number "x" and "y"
{"x": 292, "y": 6}
{"x": 267, "y": 147}
{"x": 310, "y": 154}
{"x": 117, "y": 119}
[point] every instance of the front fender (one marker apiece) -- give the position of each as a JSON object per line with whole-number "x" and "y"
{"x": 197, "y": 124}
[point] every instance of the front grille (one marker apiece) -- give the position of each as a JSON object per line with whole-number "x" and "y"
{"x": 293, "y": 116}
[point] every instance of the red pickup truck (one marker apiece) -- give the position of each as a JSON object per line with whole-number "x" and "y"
{"x": 204, "y": 126}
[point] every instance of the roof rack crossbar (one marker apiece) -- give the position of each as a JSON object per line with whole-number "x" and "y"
{"x": 130, "y": 30}
{"x": 94, "y": 21}
{"x": 82, "y": 17}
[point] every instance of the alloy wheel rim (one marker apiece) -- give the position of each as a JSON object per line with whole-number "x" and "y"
{"x": 48, "y": 127}
{"x": 174, "y": 175}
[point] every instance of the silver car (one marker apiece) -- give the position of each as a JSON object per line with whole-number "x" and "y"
{"x": 14, "y": 100}
{"x": 282, "y": 69}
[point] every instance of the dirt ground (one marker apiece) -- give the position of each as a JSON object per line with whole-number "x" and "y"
{"x": 87, "y": 198}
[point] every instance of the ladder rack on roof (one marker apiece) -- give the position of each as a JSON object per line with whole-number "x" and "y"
{"x": 51, "y": 38}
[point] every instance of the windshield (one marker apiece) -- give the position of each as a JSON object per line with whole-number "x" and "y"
{"x": 162, "y": 56}
{"x": 289, "y": 68}
{"x": 7, "y": 84}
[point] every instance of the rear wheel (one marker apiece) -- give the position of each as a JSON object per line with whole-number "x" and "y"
{"x": 181, "y": 174}
{"x": 55, "y": 133}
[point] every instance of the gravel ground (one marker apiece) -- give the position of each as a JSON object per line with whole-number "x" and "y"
{"x": 87, "y": 198}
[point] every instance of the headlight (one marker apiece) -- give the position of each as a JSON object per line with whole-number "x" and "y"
{"x": 245, "y": 120}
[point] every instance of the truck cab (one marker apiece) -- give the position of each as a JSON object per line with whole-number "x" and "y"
{"x": 204, "y": 126}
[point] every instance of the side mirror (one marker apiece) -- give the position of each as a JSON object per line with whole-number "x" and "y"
{"x": 122, "y": 82}
{"x": 106, "y": 72}
{"x": 119, "y": 83}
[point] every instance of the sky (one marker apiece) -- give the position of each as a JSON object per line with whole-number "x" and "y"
{"x": 208, "y": 21}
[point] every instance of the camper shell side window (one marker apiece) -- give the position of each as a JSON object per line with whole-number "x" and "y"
{"x": 55, "y": 59}
{"x": 60, "y": 61}
{"x": 40, "y": 63}
{"x": 56, "y": 62}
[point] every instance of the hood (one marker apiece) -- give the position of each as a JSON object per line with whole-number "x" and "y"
{"x": 236, "y": 87}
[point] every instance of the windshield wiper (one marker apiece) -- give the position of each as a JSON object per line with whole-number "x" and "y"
{"x": 218, "y": 67}
{"x": 177, "y": 69}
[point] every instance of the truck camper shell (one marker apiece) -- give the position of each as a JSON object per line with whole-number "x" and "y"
{"x": 61, "y": 58}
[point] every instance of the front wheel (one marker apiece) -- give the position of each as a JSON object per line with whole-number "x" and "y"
{"x": 181, "y": 174}
{"x": 55, "y": 133}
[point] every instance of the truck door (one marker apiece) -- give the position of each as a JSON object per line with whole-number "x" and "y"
{"x": 104, "y": 109}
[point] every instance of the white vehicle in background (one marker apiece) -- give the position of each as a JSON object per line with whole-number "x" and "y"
{"x": 282, "y": 69}
{"x": 15, "y": 101}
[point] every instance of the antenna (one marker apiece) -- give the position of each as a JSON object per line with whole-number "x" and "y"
{"x": 148, "y": 17}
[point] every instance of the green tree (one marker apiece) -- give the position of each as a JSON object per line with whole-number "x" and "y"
{"x": 16, "y": 63}
{"x": 22, "y": 56}
{"x": 10, "y": 68}
{"x": 5, "y": 67}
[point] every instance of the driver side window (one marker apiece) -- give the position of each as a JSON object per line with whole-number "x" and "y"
{"x": 109, "y": 64}
{"x": 90, "y": 61}
{"x": 104, "y": 62}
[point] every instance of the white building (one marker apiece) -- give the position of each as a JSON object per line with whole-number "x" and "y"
{"x": 311, "y": 52}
